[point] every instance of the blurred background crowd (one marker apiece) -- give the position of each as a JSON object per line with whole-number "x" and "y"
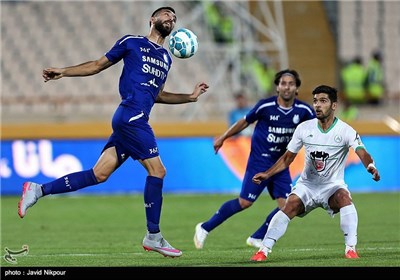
{"x": 241, "y": 46}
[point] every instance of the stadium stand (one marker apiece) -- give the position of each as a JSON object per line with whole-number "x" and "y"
{"x": 37, "y": 34}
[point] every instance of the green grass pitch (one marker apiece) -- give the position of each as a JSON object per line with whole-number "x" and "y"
{"x": 107, "y": 231}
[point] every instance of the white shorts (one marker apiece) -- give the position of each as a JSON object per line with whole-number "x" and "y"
{"x": 316, "y": 196}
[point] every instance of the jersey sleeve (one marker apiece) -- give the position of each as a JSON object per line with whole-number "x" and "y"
{"x": 118, "y": 51}
{"x": 296, "y": 143}
{"x": 252, "y": 115}
{"x": 354, "y": 139}
{"x": 310, "y": 113}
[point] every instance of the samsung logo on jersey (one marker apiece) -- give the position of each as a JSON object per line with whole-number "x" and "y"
{"x": 281, "y": 130}
{"x": 155, "y": 61}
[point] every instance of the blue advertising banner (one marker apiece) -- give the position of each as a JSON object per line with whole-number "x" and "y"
{"x": 192, "y": 166}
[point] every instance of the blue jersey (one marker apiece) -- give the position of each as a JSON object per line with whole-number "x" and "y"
{"x": 272, "y": 133}
{"x": 274, "y": 128}
{"x": 145, "y": 71}
{"x": 146, "y": 67}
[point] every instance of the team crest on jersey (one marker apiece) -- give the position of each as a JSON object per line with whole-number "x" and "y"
{"x": 338, "y": 138}
{"x": 166, "y": 58}
{"x": 319, "y": 160}
{"x": 296, "y": 119}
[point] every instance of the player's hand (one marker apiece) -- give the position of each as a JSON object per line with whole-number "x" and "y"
{"x": 218, "y": 142}
{"x": 259, "y": 177}
{"x": 52, "y": 74}
{"x": 374, "y": 172}
{"x": 199, "y": 89}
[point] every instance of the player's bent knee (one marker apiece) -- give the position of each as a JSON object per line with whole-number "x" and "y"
{"x": 342, "y": 197}
{"x": 101, "y": 178}
{"x": 245, "y": 203}
{"x": 159, "y": 173}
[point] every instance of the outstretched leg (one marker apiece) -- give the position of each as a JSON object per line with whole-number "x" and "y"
{"x": 104, "y": 167}
{"x": 31, "y": 192}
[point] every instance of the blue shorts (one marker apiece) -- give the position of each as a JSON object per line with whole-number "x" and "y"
{"x": 132, "y": 135}
{"x": 279, "y": 185}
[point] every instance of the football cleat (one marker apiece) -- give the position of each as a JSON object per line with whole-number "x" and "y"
{"x": 31, "y": 192}
{"x": 260, "y": 256}
{"x": 351, "y": 254}
{"x": 156, "y": 242}
{"x": 200, "y": 236}
{"x": 254, "y": 242}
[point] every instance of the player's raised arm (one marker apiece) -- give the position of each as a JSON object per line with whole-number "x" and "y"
{"x": 179, "y": 98}
{"x": 84, "y": 69}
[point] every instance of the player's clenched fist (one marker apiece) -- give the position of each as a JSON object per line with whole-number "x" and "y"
{"x": 51, "y": 74}
{"x": 259, "y": 177}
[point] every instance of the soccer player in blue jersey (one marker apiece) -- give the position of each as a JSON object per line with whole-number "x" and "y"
{"x": 276, "y": 118}
{"x": 146, "y": 67}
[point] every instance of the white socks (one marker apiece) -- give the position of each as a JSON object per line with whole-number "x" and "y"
{"x": 348, "y": 224}
{"x": 277, "y": 227}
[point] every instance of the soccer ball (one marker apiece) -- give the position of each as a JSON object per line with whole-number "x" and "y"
{"x": 183, "y": 43}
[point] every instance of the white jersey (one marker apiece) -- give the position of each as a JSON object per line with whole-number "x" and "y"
{"x": 326, "y": 152}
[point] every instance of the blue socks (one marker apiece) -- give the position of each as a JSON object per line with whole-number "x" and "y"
{"x": 70, "y": 182}
{"x": 227, "y": 210}
{"x": 79, "y": 180}
{"x": 153, "y": 202}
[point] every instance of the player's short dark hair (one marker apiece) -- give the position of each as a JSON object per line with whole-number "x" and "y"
{"x": 330, "y": 91}
{"x": 291, "y": 72}
{"x": 162, "y": 8}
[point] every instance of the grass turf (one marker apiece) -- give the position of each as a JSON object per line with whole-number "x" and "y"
{"x": 107, "y": 231}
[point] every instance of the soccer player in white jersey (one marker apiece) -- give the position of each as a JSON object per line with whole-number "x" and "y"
{"x": 326, "y": 141}
{"x": 141, "y": 85}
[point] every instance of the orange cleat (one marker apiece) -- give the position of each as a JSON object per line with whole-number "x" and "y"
{"x": 351, "y": 254}
{"x": 259, "y": 257}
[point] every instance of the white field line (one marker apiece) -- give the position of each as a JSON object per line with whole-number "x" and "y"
{"x": 130, "y": 254}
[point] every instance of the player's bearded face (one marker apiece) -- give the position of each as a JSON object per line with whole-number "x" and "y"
{"x": 323, "y": 107}
{"x": 164, "y": 29}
